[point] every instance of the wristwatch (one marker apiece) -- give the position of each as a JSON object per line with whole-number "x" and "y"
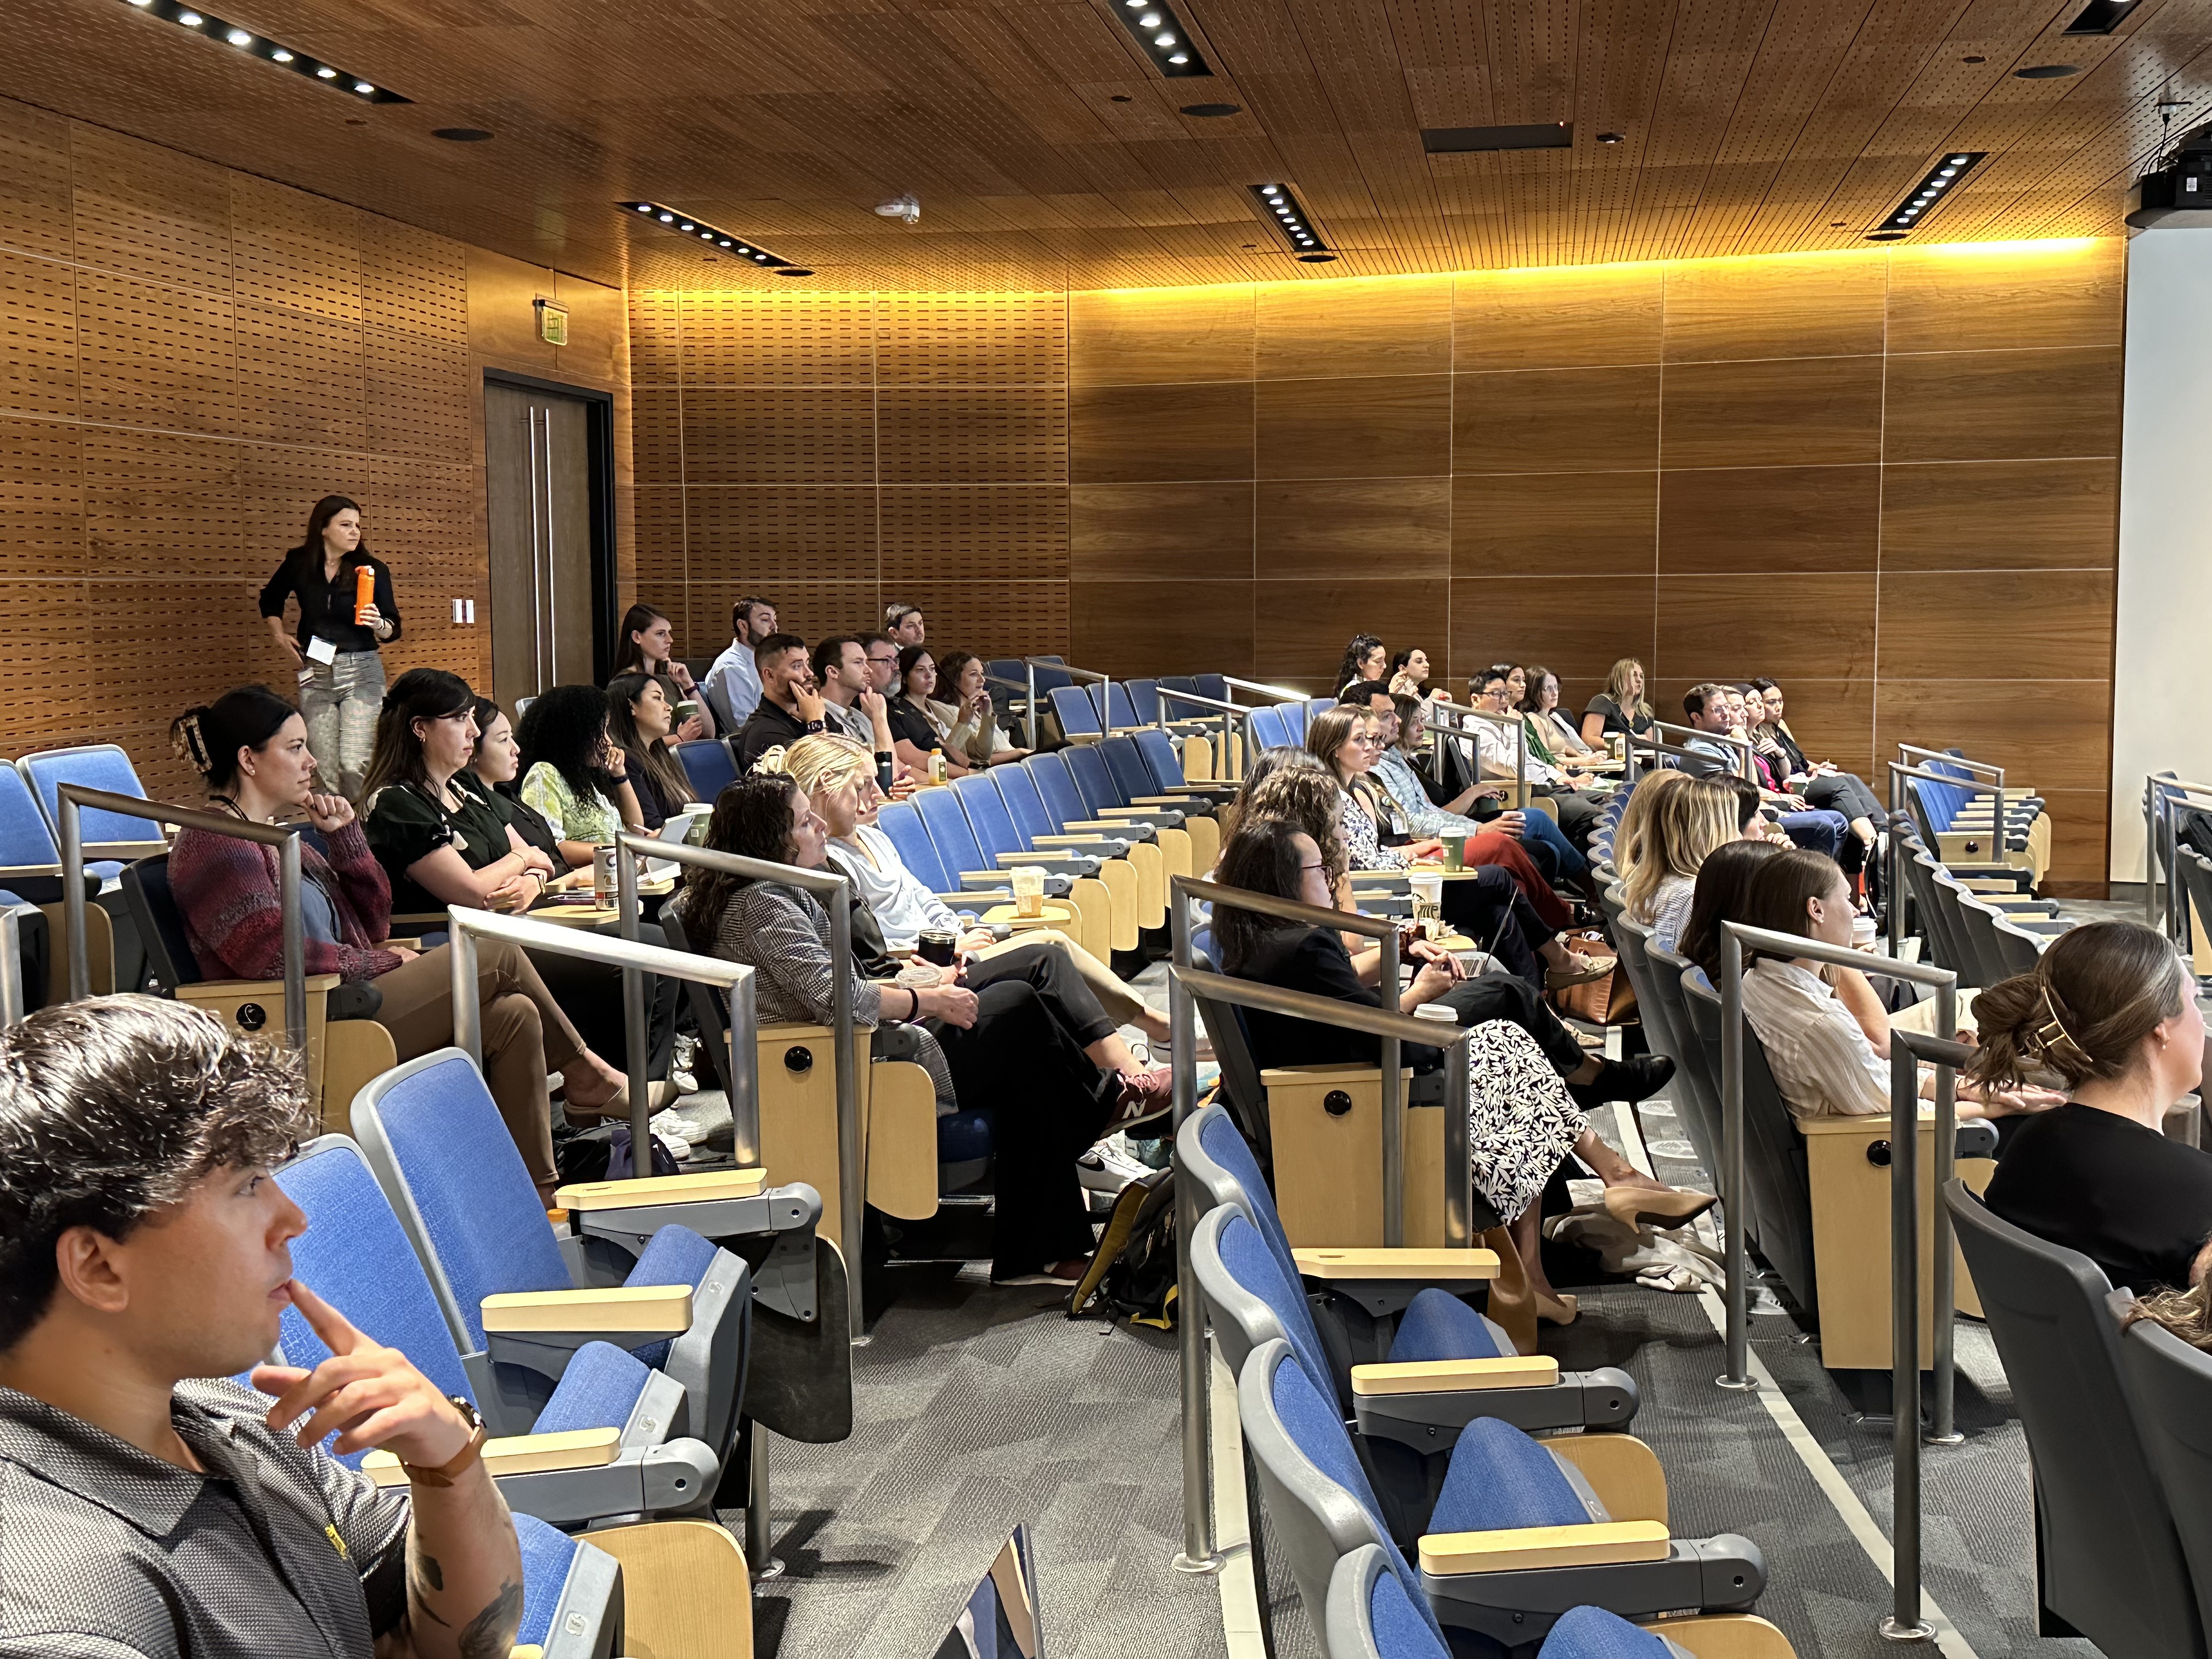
{"x": 446, "y": 1473}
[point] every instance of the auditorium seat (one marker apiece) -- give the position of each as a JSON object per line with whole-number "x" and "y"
{"x": 1068, "y": 883}
{"x": 2170, "y": 1384}
{"x": 710, "y": 766}
{"x": 109, "y": 838}
{"x": 1271, "y": 729}
{"x": 357, "y": 1255}
{"x": 1076, "y": 874}
{"x": 1076, "y": 713}
{"x": 435, "y": 1140}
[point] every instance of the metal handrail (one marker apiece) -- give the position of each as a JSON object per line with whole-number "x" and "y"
{"x": 2162, "y": 791}
{"x": 285, "y": 837}
{"x": 1747, "y": 769}
{"x": 1899, "y": 772}
{"x": 1441, "y": 731}
{"x": 1279, "y": 693}
{"x": 1087, "y": 675}
{"x": 1904, "y": 1214}
{"x": 1230, "y": 724}
{"x": 1636, "y": 740}
{"x": 745, "y": 1021}
{"x": 11, "y": 961}
{"x": 834, "y": 890}
{"x": 1186, "y": 983}
{"x": 1997, "y": 773}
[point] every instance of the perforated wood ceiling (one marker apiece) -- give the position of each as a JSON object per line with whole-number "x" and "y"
{"x": 1049, "y": 154}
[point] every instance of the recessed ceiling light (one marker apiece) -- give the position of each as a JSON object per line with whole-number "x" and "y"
{"x": 1166, "y": 47}
{"x": 239, "y": 37}
{"x": 1611, "y": 137}
{"x": 257, "y": 45}
{"x": 2100, "y": 16}
{"x": 704, "y": 232}
{"x": 1934, "y": 188}
{"x": 190, "y": 20}
{"x": 363, "y": 88}
{"x": 2046, "y": 71}
{"x": 1282, "y": 205}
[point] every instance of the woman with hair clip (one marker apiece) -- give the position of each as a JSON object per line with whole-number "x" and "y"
{"x": 1409, "y": 674}
{"x": 2112, "y": 1011}
{"x": 1364, "y": 659}
{"x": 1827, "y": 1039}
{"x": 573, "y": 775}
{"x": 1025, "y": 1047}
{"x": 649, "y": 646}
{"x": 839, "y": 778}
{"x": 1524, "y": 1121}
{"x": 1489, "y": 908}
{"x": 1621, "y": 706}
{"x": 252, "y": 747}
{"x": 333, "y": 649}
{"x": 640, "y": 721}
{"x": 1678, "y": 831}
{"x": 444, "y": 838}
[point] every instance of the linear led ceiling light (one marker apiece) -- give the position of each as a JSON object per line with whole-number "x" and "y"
{"x": 1943, "y": 181}
{"x": 270, "y": 52}
{"x": 1154, "y": 26}
{"x": 683, "y": 224}
{"x": 1282, "y": 209}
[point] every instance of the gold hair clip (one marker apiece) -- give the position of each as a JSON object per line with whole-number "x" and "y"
{"x": 192, "y": 746}
{"x": 2053, "y": 1031}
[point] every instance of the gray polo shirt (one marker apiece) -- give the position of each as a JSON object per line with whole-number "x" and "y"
{"x": 107, "y": 1553}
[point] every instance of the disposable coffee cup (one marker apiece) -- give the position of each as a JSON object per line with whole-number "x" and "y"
{"x": 1028, "y": 882}
{"x": 1427, "y": 885}
{"x": 1436, "y": 1011}
{"x": 1456, "y": 853}
{"x": 1863, "y": 931}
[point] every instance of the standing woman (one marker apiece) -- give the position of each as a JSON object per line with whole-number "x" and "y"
{"x": 333, "y": 651}
{"x": 648, "y": 644}
{"x": 1364, "y": 659}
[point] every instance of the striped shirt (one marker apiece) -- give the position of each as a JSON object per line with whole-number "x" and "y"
{"x": 1820, "y": 1059}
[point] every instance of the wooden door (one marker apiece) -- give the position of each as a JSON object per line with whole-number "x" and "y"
{"x": 537, "y": 484}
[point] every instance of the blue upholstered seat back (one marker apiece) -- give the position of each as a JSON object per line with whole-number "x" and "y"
{"x": 1401, "y": 1630}
{"x": 1161, "y": 761}
{"x": 1313, "y": 1424}
{"x": 1222, "y": 1142}
{"x": 95, "y": 765}
{"x": 1056, "y": 788}
{"x": 988, "y": 818}
{"x": 547, "y": 1555}
{"x": 1087, "y": 767}
{"x": 910, "y": 837}
{"x": 1078, "y": 715}
{"x": 1017, "y": 790}
{"x": 1271, "y": 730}
{"x": 26, "y": 837}
{"x": 1128, "y": 767}
{"x": 708, "y": 764}
{"x": 1246, "y": 1256}
{"x": 947, "y": 823}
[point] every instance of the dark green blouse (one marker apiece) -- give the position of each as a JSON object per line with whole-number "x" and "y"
{"x": 405, "y": 826}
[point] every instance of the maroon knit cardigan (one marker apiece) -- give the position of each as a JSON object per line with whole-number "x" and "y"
{"x": 232, "y": 901}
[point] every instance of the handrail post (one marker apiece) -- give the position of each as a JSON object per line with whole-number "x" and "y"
{"x": 11, "y": 962}
{"x": 289, "y": 876}
{"x": 633, "y": 1021}
{"x": 1459, "y": 1152}
{"x": 852, "y": 1183}
{"x": 1737, "y": 1215}
{"x": 1393, "y": 1100}
{"x": 2150, "y": 852}
{"x": 468, "y": 1014}
{"x": 1904, "y": 1623}
{"x": 1895, "y": 877}
{"x": 1942, "y": 1288}
{"x": 1198, "y": 1554}
{"x": 73, "y": 900}
{"x": 1028, "y": 712}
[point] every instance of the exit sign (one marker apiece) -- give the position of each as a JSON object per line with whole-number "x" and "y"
{"x": 552, "y": 322}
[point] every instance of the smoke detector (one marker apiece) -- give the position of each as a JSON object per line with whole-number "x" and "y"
{"x": 907, "y": 207}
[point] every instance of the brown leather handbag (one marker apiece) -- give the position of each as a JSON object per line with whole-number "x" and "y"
{"x": 1608, "y": 1001}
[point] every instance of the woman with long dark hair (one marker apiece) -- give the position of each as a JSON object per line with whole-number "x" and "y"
{"x": 573, "y": 775}
{"x": 1364, "y": 659}
{"x": 252, "y": 747}
{"x": 642, "y": 724}
{"x": 648, "y": 646}
{"x": 332, "y": 649}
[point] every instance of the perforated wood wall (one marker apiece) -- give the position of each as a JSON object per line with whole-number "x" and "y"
{"x": 1885, "y": 477}
{"x": 189, "y": 357}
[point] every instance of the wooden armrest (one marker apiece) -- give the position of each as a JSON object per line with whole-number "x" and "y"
{"x": 1597, "y": 1543}
{"x": 1127, "y": 811}
{"x": 1624, "y": 1473}
{"x": 1115, "y": 827}
{"x": 604, "y": 1308}
{"x": 26, "y": 872}
{"x": 210, "y": 989}
{"x": 1094, "y": 839}
{"x": 662, "y": 1190}
{"x": 1450, "y": 1375}
{"x": 789, "y": 1033}
{"x": 519, "y": 1454}
{"x": 122, "y": 851}
{"x": 1405, "y": 1263}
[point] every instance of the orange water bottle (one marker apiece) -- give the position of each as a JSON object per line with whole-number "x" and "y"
{"x": 364, "y": 592}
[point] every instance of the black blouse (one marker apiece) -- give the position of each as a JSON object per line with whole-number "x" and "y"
{"x": 1614, "y": 721}
{"x": 2134, "y": 1202}
{"x": 909, "y": 722}
{"x": 1313, "y": 960}
{"x": 326, "y": 607}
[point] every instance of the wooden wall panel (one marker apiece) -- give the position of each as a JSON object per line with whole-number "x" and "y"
{"x": 1884, "y": 478}
{"x": 189, "y": 358}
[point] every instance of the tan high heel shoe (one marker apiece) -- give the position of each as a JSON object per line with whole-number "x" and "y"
{"x": 1562, "y": 1309}
{"x": 1655, "y": 1207}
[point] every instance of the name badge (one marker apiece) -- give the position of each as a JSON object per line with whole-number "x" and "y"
{"x": 321, "y": 650}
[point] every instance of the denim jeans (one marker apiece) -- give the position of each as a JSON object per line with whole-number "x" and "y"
{"x": 340, "y": 699}
{"x": 1824, "y": 832}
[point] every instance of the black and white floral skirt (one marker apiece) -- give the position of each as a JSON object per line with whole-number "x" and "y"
{"x": 1521, "y": 1122}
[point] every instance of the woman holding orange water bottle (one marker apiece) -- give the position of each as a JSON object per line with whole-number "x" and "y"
{"x": 346, "y": 610}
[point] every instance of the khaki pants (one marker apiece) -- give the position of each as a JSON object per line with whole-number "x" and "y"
{"x": 1120, "y": 1003}
{"x": 524, "y": 1034}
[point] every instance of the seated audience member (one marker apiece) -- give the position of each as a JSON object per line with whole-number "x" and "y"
{"x": 1643, "y": 800}
{"x": 1770, "y": 777}
{"x": 1407, "y": 763}
{"x": 1486, "y": 905}
{"x": 916, "y": 723}
{"x": 573, "y": 775}
{"x": 789, "y": 707}
{"x": 1283, "y": 757}
{"x": 640, "y": 723}
{"x": 2110, "y": 1009}
{"x": 496, "y": 763}
{"x": 970, "y": 726}
{"x": 1621, "y": 708}
{"x": 445, "y": 837}
{"x": 851, "y": 706}
{"x": 1552, "y": 738}
{"x": 1364, "y": 659}
{"x": 1820, "y": 783}
{"x": 155, "y": 1505}
{"x": 1723, "y": 892}
{"x": 733, "y": 688}
{"x": 1017, "y": 1048}
{"x": 1522, "y": 1116}
{"x": 1409, "y": 674}
{"x": 252, "y": 747}
{"x": 904, "y": 626}
{"x": 1706, "y": 709}
{"x": 838, "y": 779}
{"x": 1499, "y": 748}
{"x": 1677, "y": 833}
{"x": 648, "y": 646}
{"x": 1826, "y": 1040}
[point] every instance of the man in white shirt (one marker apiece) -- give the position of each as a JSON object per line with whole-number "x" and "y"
{"x": 732, "y": 687}
{"x": 1706, "y": 709}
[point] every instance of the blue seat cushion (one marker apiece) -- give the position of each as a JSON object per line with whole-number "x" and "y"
{"x": 1438, "y": 1325}
{"x": 964, "y": 1136}
{"x": 547, "y": 1555}
{"x": 674, "y": 1255}
{"x": 1500, "y": 1478}
{"x": 599, "y": 1390}
{"x": 1593, "y": 1634}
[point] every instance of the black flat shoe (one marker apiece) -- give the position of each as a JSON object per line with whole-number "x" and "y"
{"x": 1630, "y": 1080}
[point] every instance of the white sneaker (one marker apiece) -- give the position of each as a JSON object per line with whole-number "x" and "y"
{"x": 1109, "y": 1165}
{"x": 673, "y": 1132}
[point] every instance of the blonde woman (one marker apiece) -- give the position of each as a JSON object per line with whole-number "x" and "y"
{"x": 1687, "y": 821}
{"x": 1621, "y": 706}
{"x": 838, "y": 777}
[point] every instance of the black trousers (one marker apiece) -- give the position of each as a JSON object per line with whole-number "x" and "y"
{"x": 1021, "y": 1063}
{"x": 1493, "y": 911}
{"x": 1501, "y": 996}
{"x": 1579, "y": 814}
{"x": 1842, "y": 793}
{"x": 1075, "y": 1006}
{"x": 591, "y": 995}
